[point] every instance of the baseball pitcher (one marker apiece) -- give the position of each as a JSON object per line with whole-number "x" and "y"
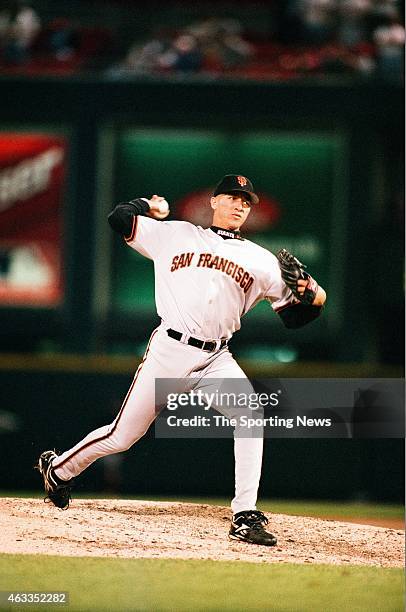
{"x": 205, "y": 281}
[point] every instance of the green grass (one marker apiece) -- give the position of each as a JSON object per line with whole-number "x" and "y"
{"x": 149, "y": 584}
{"x": 339, "y": 509}
{"x": 309, "y": 507}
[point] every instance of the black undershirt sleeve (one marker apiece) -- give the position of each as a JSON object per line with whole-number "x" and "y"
{"x": 121, "y": 218}
{"x": 297, "y": 315}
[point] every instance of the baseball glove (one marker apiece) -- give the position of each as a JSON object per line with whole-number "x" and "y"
{"x": 292, "y": 271}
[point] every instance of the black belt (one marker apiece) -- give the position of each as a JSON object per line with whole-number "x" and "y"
{"x": 201, "y": 344}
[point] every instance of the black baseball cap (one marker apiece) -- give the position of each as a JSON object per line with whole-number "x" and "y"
{"x": 234, "y": 183}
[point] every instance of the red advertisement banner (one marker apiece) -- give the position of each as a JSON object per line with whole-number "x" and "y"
{"x": 32, "y": 176}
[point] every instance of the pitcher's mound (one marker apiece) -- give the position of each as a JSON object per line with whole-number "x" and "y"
{"x": 122, "y": 528}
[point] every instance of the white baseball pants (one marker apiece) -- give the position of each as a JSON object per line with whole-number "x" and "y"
{"x": 169, "y": 358}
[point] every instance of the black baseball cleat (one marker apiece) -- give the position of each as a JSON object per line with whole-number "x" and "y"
{"x": 247, "y": 526}
{"x": 57, "y": 490}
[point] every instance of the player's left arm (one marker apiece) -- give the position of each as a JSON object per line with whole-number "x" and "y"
{"x": 296, "y": 314}
{"x": 320, "y": 296}
{"x": 295, "y": 295}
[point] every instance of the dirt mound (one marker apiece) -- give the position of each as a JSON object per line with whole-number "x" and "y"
{"x": 122, "y": 528}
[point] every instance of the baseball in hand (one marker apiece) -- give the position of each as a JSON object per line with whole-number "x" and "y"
{"x": 159, "y": 208}
{"x": 163, "y": 207}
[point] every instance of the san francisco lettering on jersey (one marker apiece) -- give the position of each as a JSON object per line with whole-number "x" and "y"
{"x": 208, "y": 260}
{"x": 181, "y": 261}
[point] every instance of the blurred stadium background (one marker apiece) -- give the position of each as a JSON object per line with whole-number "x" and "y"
{"x": 105, "y": 101}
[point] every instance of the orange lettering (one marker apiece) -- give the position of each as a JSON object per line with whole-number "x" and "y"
{"x": 230, "y": 268}
{"x": 188, "y": 259}
{"x": 214, "y": 262}
{"x": 201, "y": 259}
{"x": 239, "y": 274}
{"x": 222, "y": 264}
{"x": 207, "y": 258}
{"x": 174, "y": 263}
{"x": 248, "y": 285}
{"x": 244, "y": 280}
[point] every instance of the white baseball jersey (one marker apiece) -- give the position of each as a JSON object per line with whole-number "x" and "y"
{"x": 204, "y": 284}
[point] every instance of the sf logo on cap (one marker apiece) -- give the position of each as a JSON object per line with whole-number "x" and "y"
{"x": 242, "y": 180}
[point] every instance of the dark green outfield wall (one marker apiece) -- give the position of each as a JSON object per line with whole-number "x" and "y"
{"x": 100, "y": 118}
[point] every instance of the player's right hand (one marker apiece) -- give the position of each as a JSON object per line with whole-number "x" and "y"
{"x": 158, "y": 207}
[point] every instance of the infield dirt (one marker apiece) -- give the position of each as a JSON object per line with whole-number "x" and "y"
{"x": 122, "y": 528}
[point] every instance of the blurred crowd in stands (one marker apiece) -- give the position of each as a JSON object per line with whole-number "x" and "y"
{"x": 307, "y": 37}
{"x": 30, "y": 44}
{"x": 310, "y": 37}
